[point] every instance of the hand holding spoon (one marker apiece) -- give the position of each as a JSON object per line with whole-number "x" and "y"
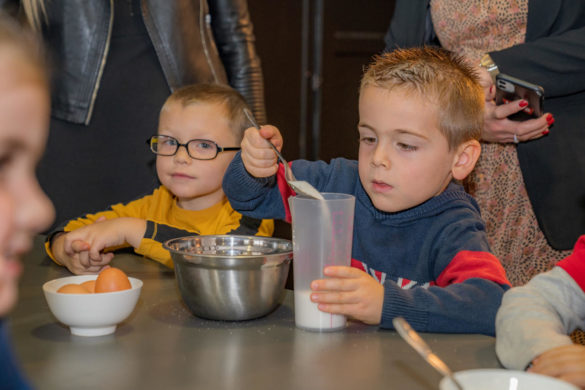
{"x": 299, "y": 186}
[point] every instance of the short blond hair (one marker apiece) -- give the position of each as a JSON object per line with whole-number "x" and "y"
{"x": 229, "y": 98}
{"x": 441, "y": 77}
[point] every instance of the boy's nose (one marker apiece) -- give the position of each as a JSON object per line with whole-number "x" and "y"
{"x": 380, "y": 157}
{"x": 182, "y": 154}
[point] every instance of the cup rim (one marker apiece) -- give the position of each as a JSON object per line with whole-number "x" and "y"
{"x": 329, "y": 197}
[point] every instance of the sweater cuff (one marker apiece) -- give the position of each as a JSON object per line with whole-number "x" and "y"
{"x": 49, "y": 242}
{"x": 398, "y": 304}
{"x": 240, "y": 178}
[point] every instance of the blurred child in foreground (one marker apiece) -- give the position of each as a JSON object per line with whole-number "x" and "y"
{"x": 24, "y": 208}
{"x": 419, "y": 245}
{"x": 200, "y": 128}
{"x": 535, "y": 320}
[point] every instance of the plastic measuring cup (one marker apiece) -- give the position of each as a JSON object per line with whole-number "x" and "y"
{"x": 322, "y": 232}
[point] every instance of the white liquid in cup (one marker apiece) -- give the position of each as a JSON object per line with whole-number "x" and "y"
{"x": 308, "y": 316}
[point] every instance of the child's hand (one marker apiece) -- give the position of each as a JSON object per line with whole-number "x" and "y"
{"x": 351, "y": 292}
{"x": 566, "y": 363}
{"x": 258, "y": 157}
{"x": 76, "y": 258}
{"x": 104, "y": 234}
{"x": 82, "y": 250}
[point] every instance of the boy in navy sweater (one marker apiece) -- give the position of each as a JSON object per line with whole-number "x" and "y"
{"x": 419, "y": 246}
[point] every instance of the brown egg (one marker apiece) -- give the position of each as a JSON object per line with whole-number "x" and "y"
{"x": 89, "y": 286}
{"x": 112, "y": 279}
{"x": 72, "y": 289}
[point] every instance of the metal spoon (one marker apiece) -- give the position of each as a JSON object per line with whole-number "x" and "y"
{"x": 412, "y": 337}
{"x": 299, "y": 186}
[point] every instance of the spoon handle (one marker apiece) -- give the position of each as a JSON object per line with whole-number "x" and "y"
{"x": 412, "y": 337}
{"x": 252, "y": 120}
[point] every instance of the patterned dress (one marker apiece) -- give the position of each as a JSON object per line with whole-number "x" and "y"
{"x": 472, "y": 28}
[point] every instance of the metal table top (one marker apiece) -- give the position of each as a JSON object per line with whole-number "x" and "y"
{"x": 163, "y": 346}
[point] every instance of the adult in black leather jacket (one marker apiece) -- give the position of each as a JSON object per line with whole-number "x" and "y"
{"x": 113, "y": 64}
{"x": 217, "y": 45}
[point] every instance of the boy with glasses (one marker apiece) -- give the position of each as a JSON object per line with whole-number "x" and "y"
{"x": 199, "y": 126}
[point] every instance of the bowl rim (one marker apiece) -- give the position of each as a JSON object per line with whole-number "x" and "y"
{"x": 46, "y": 287}
{"x": 509, "y": 372}
{"x": 166, "y": 245}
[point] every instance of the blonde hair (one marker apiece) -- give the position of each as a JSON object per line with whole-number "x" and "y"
{"x": 22, "y": 45}
{"x": 441, "y": 77}
{"x": 34, "y": 10}
{"x": 229, "y": 98}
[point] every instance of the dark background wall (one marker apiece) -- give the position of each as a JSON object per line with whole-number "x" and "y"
{"x": 351, "y": 31}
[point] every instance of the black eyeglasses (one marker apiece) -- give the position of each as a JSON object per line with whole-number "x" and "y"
{"x": 199, "y": 149}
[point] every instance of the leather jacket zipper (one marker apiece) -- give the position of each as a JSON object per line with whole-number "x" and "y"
{"x": 204, "y": 29}
{"x": 102, "y": 64}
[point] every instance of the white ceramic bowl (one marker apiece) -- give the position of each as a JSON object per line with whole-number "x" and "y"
{"x": 500, "y": 379}
{"x": 91, "y": 314}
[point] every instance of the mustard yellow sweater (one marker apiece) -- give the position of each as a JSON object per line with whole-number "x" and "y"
{"x": 166, "y": 220}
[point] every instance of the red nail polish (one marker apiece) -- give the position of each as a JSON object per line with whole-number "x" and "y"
{"x": 549, "y": 118}
{"x": 545, "y": 132}
{"x": 551, "y": 121}
{"x": 523, "y": 103}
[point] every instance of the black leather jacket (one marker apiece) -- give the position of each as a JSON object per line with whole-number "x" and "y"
{"x": 195, "y": 41}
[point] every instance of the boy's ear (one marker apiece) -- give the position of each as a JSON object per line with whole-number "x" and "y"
{"x": 465, "y": 159}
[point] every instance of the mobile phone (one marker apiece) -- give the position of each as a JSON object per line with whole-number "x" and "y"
{"x": 510, "y": 88}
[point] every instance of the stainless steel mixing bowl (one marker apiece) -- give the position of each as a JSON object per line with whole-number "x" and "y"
{"x": 225, "y": 277}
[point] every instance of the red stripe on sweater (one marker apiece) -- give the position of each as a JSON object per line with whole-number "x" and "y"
{"x": 285, "y": 191}
{"x": 469, "y": 264}
{"x": 357, "y": 264}
{"x": 574, "y": 264}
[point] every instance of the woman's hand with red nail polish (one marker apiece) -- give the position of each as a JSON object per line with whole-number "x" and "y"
{"x": 499, "y": 128}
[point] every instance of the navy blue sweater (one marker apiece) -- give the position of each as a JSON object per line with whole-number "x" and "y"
{"x": 433, "y": 259}
{"x": 10, "y": 376}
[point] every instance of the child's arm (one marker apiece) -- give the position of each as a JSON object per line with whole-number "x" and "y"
{"x": 250, "y": 182}
{"x": 460, "y": 289}
{"x": 77, "y": 257}
{"x": 82, "y": 251}
{"x": 537, "y": 317}
{"x": 465, "y": 307}
{"x": 267, "y": 197}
